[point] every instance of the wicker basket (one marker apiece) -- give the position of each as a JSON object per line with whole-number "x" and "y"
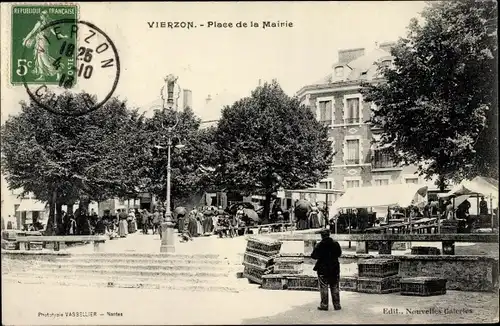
{"x": 10, "y": 244}
{"x": 274, "y": 282}
{"x": 378, "y": 267}
{"x": 303, "y": 282}
{"x": 349, "y": 283}
{"x": 288, "y": 265}
{"x": 254, "y": 273}
{"x": 263, "y": 247}
{"x": 379, "y": 285}
{"x": 257, "y": 260}
{"x": 423, "y": 286}
{"x": 425, "y": 251}
{"x": 9, "y": 235}
{"x": 36, "y": 245}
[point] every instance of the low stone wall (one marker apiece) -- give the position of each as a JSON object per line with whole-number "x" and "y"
{"x": 463, "y": 273}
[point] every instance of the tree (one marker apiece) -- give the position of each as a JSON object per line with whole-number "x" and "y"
{"x": 187, "y": 174}
{"x": 269, "y": 141}
{"x": 62, "y": 159}
{"x": 437, "y": 105}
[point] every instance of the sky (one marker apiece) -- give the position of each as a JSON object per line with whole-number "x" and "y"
{"x": 224, "y": 61}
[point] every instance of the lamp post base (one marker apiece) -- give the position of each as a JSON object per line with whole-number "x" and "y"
{"x": 167, "y": 238}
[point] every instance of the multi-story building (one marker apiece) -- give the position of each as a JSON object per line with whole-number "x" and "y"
{"x": 338, "y": 103}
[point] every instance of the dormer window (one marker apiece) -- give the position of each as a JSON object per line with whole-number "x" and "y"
{"x": 339, "y": 71}
{"x": 387, "y": 63}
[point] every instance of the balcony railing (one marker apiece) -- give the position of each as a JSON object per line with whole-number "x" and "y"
{"x": 351, "y": 161}
{"x": 382, "y": 160}
{"x": 352, "y": 120}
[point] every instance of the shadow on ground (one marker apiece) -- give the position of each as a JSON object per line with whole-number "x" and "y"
{"x": 360, "y": 308}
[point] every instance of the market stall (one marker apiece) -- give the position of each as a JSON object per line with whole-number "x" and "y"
{"x": 394, "y": 195}
{"x": 479, "y": 187}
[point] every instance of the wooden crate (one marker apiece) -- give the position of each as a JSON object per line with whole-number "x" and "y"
{"x": 288, "y": 265}
{"x": 263, "y": 247}
{"x": 36, "y": 245}
{"x": 419, "y": 250}
{"x": 303, "y": 282}
{"x": 254, "y": 273}
{"x": 274, "y": 282}
{"x": 257, "y": 260}
{"x": 379, "y": 285}
{"x": 9, "y": 235}
{"x": 423, "y": 286}
{"x": 9, "y": 244}
{"x": 378, "y": 267}
{"x": 349, "y": 283}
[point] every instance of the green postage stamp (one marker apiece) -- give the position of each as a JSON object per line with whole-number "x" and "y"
{"x": 41, "y": 52}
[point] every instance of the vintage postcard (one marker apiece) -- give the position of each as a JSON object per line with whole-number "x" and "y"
{"x": 219, "y": 163}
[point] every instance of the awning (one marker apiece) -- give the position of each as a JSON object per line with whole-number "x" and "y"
{"x": 402, "y": 195}
{"x": 31, "y": 205}
{"x": 479, "y": 186}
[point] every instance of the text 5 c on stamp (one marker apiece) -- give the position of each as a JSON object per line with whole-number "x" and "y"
{"x": 35, "y": 56}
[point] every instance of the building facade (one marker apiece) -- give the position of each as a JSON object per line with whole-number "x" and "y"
{"x": 338, "y": 103}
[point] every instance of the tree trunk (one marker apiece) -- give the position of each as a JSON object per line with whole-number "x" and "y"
{"x": 267, "y": 208}
{"x": 51, "y": 222}
{"x": 59, "y": 219}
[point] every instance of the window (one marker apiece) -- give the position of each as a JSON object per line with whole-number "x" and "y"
{"x": 339, "y": 71}
{"x": 387, "y": 63}
{"x": 352, "y": 151}
{"x": 381, "y": 182}
{"x": 325, "y": 111}
{"x": 352, "y": 110}
{"x": 352, "y": 183}
{"x": 382, "y": 159}
{"x": 411, "y": 180}
{"x": 325, "y": 185}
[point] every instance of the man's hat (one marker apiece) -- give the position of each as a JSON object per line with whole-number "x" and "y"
{"x": 324, "y": 232}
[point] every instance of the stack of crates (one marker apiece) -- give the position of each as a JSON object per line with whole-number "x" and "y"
{"x": 287, "y": 274}
{"x": 9, "y": 240}
{"x": 259, "y": 258}
{"x": 378, "y": 276}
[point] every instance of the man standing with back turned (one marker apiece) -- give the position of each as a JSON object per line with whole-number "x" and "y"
{"x": 327, "y": 253}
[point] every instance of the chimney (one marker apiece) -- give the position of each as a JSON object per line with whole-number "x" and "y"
{"x": 187, "y": 99}
{"x": 208, "y": 99}
{"x": 387, "y": 46}
{"x": 260, "y": 82}
{"x": 346, "y": 56}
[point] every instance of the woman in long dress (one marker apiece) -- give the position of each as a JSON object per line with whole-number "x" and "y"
{"x": 199, "y": 221}
{"x": 192, "y": 224}
{"x": 37, "y": 38}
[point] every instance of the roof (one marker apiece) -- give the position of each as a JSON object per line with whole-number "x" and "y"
{"x": 31, "y": 205}
{"x": 481, "y": 186}
{"x": 363, "y": 68}
{"x": 402, "y": 195}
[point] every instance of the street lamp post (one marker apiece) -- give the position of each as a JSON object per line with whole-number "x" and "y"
{"x": 167, "y": 227}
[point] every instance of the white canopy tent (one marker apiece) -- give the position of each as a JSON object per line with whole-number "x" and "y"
{"x": 479, "y": 186}
{"x": 402, "y": 195}
{"x": 31, "y": 205}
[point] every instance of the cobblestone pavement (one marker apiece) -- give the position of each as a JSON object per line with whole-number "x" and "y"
{"x": 33, "y": 304}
